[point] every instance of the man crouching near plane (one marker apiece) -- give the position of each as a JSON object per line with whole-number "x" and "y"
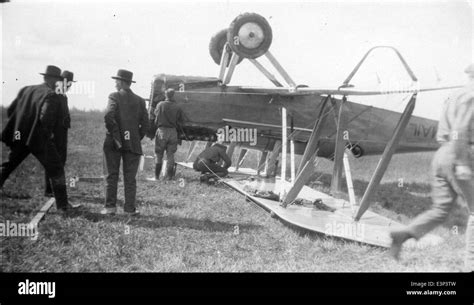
{"x": 207, "y": 162}
{"x": 127, "y": 123}
{"x": 452, "y": 166}
{"x": 30, "y": 129}
{"x": 167, "y": 117}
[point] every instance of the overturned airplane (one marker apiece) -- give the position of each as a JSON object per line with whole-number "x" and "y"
{"x": 297, "y": 119}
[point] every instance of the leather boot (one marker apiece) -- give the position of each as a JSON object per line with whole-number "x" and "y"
{"x": 60, "y": 192}
{"x": 158, "y": 170}
{"x": 398, "y": 236}
{"x": 169, "y": 173}
{"x": 205, "y": 178}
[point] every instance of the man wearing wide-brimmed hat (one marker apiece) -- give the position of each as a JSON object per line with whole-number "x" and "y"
{"x": 63, "y": 123}
{"x": 29, "y": 129}
{"x": 126, "y": 121}
{"x": 453, "y": 166}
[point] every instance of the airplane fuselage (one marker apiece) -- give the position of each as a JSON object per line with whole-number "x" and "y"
{"x": 209, "y": 107}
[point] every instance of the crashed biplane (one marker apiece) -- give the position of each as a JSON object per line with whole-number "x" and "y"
{"x": 294, "y": 119}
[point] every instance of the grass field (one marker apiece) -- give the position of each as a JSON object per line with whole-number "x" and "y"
{"x": 189, "y": 227}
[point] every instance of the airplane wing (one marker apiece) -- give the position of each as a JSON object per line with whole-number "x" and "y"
{"x": 340, "y": 91}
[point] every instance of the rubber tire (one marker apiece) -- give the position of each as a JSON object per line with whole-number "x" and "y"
{"x": 216, "y": 45}
{"x": 234, "y": 30}
{"x": 357, "y": 151}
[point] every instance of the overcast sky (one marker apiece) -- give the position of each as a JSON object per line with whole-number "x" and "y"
{"x": 317, "y": 42}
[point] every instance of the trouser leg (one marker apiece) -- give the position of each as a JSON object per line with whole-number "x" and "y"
{"x": 49, "y": 157}
{"x": 158, "y": 170}
{"x": 170, "y": 164}
{"x": 112, "y": 164}
{"x": 443, "y": 197}
{"x": 63, "y": 150}
{"x": 469, "y": 254}
{"x": 207, "y": 167}
{"x": 61, "y": 147}
{"x": 160, "y": 146}
{"x": 218, "y": 170}
{"x": 16, "y": 155}
{"x": 131, "y": 162}
{"x": 60, "y": 141}
{"x": 49, "y": 182}
{"x": 170, "y": 160}
{"x": 47, "y": 185}
{"x": 171, "y": 144}
{"x": 467, "y": 190}
{"x": 444, "y": 192}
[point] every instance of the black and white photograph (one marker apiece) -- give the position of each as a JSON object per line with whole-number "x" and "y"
{"x": 177, "y": 137}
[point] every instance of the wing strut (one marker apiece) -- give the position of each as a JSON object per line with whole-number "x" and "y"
{"x": 312, "y": 145}
{"x": 386, "y": 157}
{"x": 340, "y": 146}
{"x": 309, "y": 156}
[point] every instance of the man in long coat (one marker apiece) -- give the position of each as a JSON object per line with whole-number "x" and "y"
{"x": 29, "y": 129}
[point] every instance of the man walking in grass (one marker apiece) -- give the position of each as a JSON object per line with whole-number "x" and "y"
{"x": 452, "y": 166}
{"x": 30, "y": 129}
{"x": 126, "y": 121}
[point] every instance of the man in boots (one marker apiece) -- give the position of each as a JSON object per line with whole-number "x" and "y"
{"x": 168, "y": 118}
{"x": 452, "y": 170}
{"x": 126, "y": 121}
{"x": 29, "y": 129}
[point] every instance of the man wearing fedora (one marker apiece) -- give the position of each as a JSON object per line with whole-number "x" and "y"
{"x": 63, "y": 123}
{"x": 126, "y": 121}
{"x": 30, "y": 129}
{"x": 452, "y": 166}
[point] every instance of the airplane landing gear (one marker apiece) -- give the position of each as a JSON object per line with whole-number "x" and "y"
{"x": 216, "y": 47}
{"x": 249, "y": 35}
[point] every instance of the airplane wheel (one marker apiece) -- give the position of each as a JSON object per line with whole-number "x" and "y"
{"x": 249, "y": 35}
{"x": 216, "y": 45}
{"x": 357, "y": 151}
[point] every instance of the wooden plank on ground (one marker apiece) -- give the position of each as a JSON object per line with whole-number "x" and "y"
{"x": 44, "y": 209}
